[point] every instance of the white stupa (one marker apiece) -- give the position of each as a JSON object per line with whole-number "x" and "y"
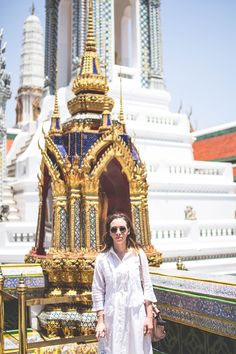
{"x": 19, "y": 231}
{"x": 31, "y": 73}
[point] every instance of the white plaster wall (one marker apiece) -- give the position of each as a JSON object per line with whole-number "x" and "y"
{"x": 156, "y": 152}
{"x": 171, "y": 206}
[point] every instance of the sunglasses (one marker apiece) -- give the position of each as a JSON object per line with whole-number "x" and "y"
{"x": 121, "y": 228}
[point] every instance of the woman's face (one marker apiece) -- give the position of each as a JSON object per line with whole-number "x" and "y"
{"x": 119, "y": 232}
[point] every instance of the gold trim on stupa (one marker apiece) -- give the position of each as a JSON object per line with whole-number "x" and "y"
{"x": 56, "y": 127}
{"x": 90, "y": 84}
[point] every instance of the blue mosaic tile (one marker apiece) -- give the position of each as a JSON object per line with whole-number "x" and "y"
{"x": 65, "y": 141}
{"x": 135, "y": 153}
{"x": 94, "y": 67}
{"x": 31, "y": 282}
{"x": 203, "y": 287}
{"x": 58, "y": 140}
{"x": 213, "y": 325}
{"x": 78, "y": 144}
{"x": 126, "y": 139}
{"x": 88, "y": 139}
{"x": 62, "y": 150}
{"x": 198, "y": 304}
{"x": 72, "y": 144}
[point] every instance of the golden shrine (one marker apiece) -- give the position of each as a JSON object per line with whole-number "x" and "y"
{"x": 90, "y": 168}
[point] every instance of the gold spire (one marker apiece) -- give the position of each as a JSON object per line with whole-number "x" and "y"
{"x": 90, "y": 42}
{"x": 122, "y": 117}
{"x": 90, "y": 84}
{"x": 55, "y": 128}
{"x": 106, "y": 114}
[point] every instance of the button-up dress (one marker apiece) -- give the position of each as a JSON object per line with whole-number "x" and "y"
{"x": 118, "y": 291}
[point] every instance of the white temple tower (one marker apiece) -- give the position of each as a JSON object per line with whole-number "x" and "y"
{"x": 31, "y": 72}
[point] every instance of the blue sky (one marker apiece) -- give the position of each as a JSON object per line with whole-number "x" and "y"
{"x": 199, "y": 55}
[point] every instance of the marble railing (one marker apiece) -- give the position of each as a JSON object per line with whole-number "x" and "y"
{"x": 20, "y": 232}
{"x": 165, "y": 234}
{"x": 23, "y": 236}
{"x": 177, "y": 169}
{"x": 192, "y": 168}
{"x": 162, "y": 120}
{"x": 217, "y": 231}
{"x": 128, "y": 117}
{"x": 193, "y": 230}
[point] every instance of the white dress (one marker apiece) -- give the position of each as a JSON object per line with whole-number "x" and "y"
{"x": 117, "y": 290}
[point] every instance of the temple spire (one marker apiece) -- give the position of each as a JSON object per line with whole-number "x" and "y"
{"x": 29, "y": 95}
{"x": 56, "y": 128}
{"x": 90, "y": 85}
{"x": 106, "y": 114}
{"x": 90, "y": 41}
{"x": 33, "y": 9}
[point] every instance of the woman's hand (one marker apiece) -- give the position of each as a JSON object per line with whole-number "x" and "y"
{"x": 100, "y": 329}
{"x": 148, "y": 325}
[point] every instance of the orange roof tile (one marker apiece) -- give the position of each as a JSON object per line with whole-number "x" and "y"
{"x": 216, "y": 147}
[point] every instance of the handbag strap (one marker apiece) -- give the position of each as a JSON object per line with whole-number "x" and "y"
{"x": 141, "y": 272}
{"x": 154, "y": 307}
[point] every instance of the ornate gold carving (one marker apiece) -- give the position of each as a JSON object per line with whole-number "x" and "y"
{"x": 73, "y": 175}
{"x": 58, "y": 186}
{"x": 154, "y": 257}
{"x": 49, "y": 144}
{"x": 88, "y": 102}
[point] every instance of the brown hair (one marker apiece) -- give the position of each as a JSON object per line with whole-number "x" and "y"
{"x": 131, "y": 238}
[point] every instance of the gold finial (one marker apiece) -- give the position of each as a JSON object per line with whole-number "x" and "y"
{"x": 122, "y": 117}
{"x": 90, "y": 42}
{"x": 106, "y": 114}
{"x": 55, "y": 120}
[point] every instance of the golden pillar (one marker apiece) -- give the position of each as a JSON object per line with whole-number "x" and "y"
{"x": 22, "y": 327}
{"x": 91, "y": 214}
{"x": 39, "y": 222}
{"x": 136, "y": 209}
{"x": 1, "y": 313}
{"x": 74, "y": 206}
{"x": 60, "y": 228}
{"x": 146, "y": 221}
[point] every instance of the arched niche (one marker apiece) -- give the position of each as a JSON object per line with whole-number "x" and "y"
{"x": 125, "y": 33}
{"x": 114, "y": 195}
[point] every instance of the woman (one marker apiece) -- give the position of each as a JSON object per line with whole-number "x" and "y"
{"x": 123, "y": 304}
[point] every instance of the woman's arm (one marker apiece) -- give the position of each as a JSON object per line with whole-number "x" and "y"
{"x": 100, "y": 328}
{"x": 98, "y": 296}
{"x": 148, "y": 323}
{"x": 147, "y": 283}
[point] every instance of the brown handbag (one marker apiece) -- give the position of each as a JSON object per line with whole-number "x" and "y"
{"x": 158, "y": 331}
